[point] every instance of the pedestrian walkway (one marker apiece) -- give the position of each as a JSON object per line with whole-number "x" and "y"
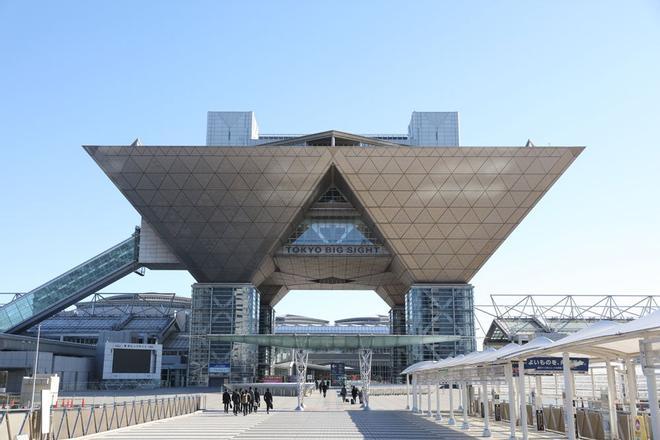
{"x": 327, "y": 418}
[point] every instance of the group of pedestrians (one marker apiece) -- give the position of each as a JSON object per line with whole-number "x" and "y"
{"x": 246, "y": 401}
{"x": 355, "y": 394}
{"x": 322, "y": 386}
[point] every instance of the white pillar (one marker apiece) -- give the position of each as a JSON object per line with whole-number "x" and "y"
{"x": 484, "y": 392}
{"x": 508, "y": 371}
{"x": 419, "y": 398}
{"x": 466, "y": 403}
{"x": 414, "y": 393}
{"x": 438, "y": 413}
{"x": 631, "y": 384}
{"x": 407, "y": 391}
{"x": 568, "y": 398}
{"x": 460, "y": 397}
{"x": 648, "y": 367}
{"x": 524, "y": 430}
{"x": 611, "y": 399}
{"x": 428, "y": 399}
{"x": 452, "y": 420}
{"x": 538, "y": 403}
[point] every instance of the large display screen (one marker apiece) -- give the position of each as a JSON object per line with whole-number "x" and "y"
{"x": 131, "y": 361}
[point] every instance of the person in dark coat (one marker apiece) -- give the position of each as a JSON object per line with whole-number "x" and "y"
{"x": 226, "y": 401}
{"x": 268, "y": 398}
{"x": 354, "y": 393}
{"x": 257, "y": 399}
{"x": 245, "y": 401}
{"x": 236, "y": 399}
{"x": 325, "y": 388}
{"x": 342, "y": 393}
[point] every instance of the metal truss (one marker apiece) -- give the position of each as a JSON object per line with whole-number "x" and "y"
{"x": 365, "y": 355}
{"x": 554, "y": 312}
{"x": 301, "y": 357}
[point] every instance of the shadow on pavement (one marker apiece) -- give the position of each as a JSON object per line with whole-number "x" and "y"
{"x": 376, "y": 424}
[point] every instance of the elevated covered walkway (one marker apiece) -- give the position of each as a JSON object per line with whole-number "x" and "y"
{"x": 29, "y": 309}
{"x": 612, "y": 344}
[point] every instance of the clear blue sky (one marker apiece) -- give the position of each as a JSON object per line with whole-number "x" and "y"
{"x": 560, "y": 73}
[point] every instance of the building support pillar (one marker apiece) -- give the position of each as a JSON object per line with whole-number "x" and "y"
{"x": 568, "y": 398}
{"x": 466, "y": 403}
{"x": 611, "y": 399}
{"x": 538, "y": 400}
{"x": 407, "y": 391}
{"x": 631, "y": 386}
{"x": 452, "y": 420}
{"x": 508, "y": 371}
{"x": 301, "y": 357}
{"x": 365, "y": 374}
{"x": 647, "y": 359}
{"x": 524, "y": 430}
{"x": 484, "y": 392}
{"x": 415, "y": 392}
{"x": 438, "y": 412}
{"x": 428, "y": 399}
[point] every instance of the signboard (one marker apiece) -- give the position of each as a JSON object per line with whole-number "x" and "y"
{"x": 556, "y": 364}
{"x": 334, "y": 249}
{"x": 123, "y": 360}
{"x": 220, "y": 368}
{"x": 272, "y": 379}
{"x": 337, "y": 374}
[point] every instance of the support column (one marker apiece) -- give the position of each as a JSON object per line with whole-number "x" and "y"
{"x": 301, "y": 370}
{"x": 407, "y": 391}
{"x": 466, "y": 403}
{"x": 524, "y": 430}
{"x": 508, "y": 371}
{"x": 365, "y": 374}
{"x": 428, "y": 399}
{"x": 538, "y": 401}
{"x": 611, "y": 399}
{"x": 438, "y": 412}
{"x": 452, "y": 420}
{"x": 648, "y": 367}
{"x": 631, "y": 385}
{"x": 460, "y": 397}
{"x": 415, "y": 391}
{"x": 568, "y": 398}
{"x": 484, "y": 392}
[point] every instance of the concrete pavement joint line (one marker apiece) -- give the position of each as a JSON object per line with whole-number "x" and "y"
{"x": 98, "y": 435}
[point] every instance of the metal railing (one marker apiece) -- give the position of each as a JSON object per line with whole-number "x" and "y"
{"x": 77, "y": 421}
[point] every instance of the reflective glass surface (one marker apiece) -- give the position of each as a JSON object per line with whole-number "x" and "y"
{"x": 74, "y": 282}
{"x": 333, "y": 231}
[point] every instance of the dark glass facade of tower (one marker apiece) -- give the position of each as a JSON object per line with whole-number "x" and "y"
{"x": 440, "y": 310}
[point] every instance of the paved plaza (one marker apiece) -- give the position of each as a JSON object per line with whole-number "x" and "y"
{"x": 323, "y": 419}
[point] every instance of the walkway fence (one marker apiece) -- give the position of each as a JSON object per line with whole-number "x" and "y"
{"x": 70, "y": 422}
{"x": 589, "y": 422}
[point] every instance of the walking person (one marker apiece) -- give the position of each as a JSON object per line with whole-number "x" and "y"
{"x": 268, "y": 398}
{"x": 354, "y": 393}
{"x": 245, "y": 402}
{"x": 257, "y": 399}
{"x": 360, "y": 396}
{"x": 236, "y": 399}
{"x": 325, "y": 388}
{"x": 250, "y": 400}
{"x": 226, "y": 401}
{"x": 342, "y": 393}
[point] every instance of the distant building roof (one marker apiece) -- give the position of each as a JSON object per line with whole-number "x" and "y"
{"x": 289, "y": 319}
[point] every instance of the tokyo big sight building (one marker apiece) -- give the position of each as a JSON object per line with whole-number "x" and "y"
{"x": 252, "y": 216}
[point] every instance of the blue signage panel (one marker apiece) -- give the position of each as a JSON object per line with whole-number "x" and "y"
{"x": 220, "y": 368}
{"x": 337, "y": 374}
{"x": 548, "y": 363}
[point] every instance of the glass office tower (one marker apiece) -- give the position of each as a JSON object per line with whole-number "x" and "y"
{"x": 222, "y": 309}
{"x": 440, "y": 310}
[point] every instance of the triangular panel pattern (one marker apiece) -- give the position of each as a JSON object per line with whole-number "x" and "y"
{"x": 441, "y": 212}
